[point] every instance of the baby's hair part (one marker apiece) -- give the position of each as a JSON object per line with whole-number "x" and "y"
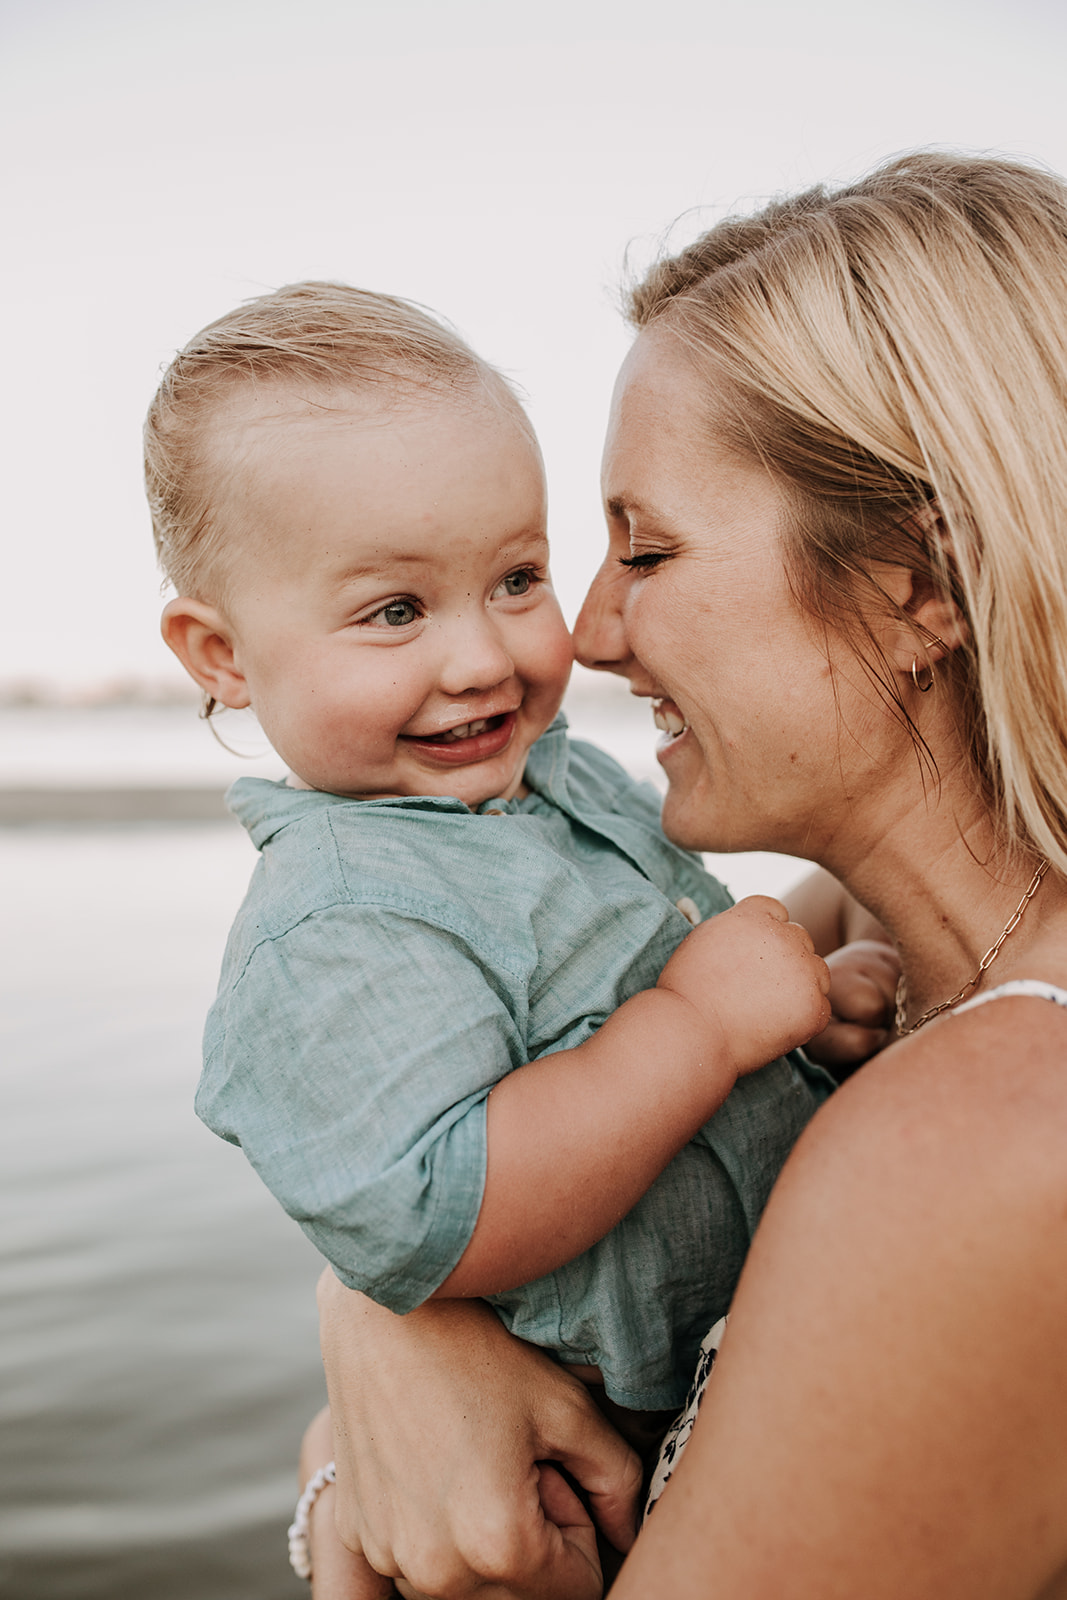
{"x": 319, "y": 337}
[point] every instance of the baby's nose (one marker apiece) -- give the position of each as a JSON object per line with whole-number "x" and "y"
{"x": 477, "y": 660}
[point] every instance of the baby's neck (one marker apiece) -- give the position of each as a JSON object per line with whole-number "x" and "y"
{"x": 293, "y": 780}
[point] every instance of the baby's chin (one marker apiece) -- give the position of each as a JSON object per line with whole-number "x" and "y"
{"x": 515, "y": 791}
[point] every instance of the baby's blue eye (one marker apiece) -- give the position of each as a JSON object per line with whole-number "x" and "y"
{"x": 517, "y": 583}
{"x": 398, "y": 613}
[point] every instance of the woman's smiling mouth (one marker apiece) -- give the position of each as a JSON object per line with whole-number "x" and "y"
{"x": 668, "y": 720}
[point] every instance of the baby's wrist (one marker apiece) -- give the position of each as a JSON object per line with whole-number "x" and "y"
{"x": 699, "y": 1043}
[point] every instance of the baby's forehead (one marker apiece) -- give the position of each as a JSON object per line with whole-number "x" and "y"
{"x": 376, "y": 466}
{"x": 255, "y": 408}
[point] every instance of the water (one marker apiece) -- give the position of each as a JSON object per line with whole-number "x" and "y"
{"x": 158, "y": 1352}
{"x": 158, "y": 1341}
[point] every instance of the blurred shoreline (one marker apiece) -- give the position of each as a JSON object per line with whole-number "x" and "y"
{"x": 33, "y": 807}
{"x": 137, "y": 751}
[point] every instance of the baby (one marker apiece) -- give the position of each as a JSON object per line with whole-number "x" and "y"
{"x": 464, "y": 1030}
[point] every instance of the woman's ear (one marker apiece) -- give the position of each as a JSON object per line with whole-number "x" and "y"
{"x": 941, "y": 625}
{"x": 932, "y": 626}
{"x": 203, "y": 641}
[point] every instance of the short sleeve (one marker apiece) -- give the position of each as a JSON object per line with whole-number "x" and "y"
{"x": 361, "y": 1100}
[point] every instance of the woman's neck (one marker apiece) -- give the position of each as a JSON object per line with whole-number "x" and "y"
{"x": 945, "y": 892}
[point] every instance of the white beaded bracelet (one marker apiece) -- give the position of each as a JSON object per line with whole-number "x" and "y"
{"x": 299, "y": 1545}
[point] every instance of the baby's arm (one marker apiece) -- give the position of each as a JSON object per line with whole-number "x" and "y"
{"x": 575, "y": 1138}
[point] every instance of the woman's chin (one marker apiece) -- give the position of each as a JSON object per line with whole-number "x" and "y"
{"x": 688, "y": 825}
{"x": 693, "y": 821}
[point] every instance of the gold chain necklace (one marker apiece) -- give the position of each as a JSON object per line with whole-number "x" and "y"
{"x": 987, "y": 961}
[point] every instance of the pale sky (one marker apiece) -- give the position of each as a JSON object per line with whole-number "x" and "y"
{"x": 168, "y": 158}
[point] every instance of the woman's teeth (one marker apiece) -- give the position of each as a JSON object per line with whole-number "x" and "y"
{"x": 668, "y": 719}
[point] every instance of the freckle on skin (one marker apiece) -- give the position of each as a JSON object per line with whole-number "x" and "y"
{"x": 793, "y": 757}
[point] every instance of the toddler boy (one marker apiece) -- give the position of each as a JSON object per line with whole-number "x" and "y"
{"x": 463, "y": 1030}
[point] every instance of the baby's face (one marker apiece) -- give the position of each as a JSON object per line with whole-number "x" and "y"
{"x": 390, "y": 602}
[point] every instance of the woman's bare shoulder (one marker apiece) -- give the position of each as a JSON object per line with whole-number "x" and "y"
{"x": 955, "y": 1103}
{"x": 897, "y": 1335}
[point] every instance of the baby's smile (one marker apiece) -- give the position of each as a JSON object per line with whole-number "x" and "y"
{"x": 469, "y": 741}
{"x": 466, "y": 730}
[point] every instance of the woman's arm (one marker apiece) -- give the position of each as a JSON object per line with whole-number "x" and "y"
{"x": 440, "y": 1421}
{"x": 888, "y": 1416}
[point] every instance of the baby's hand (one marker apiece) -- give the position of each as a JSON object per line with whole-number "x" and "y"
{"x": 755, "y": 979}
{"x": 863, "y": 987}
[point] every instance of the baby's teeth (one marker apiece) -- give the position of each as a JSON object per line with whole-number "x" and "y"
{"x": 467, "y": 731}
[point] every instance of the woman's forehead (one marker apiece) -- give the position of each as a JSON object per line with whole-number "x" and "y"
{"x": 661, "y": 427}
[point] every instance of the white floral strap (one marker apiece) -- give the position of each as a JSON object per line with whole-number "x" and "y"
{"x": 677, "y": 1436}
{"x": 1018, "y": 986}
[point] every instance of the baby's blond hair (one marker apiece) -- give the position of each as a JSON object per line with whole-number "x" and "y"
{"x": 318, "y": 337}
{"x": 896, "y": 352}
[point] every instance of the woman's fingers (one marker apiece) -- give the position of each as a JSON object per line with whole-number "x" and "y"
{"x": 337, "y": 1573}
{"x": 442, "y": 1421}
{"x": 341, "y": 1574}
{"x": 598, "y": 1458}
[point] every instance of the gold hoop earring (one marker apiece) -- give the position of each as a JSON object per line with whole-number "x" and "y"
{"x": 927, "y": 667}
{"x": 916, "y": 670}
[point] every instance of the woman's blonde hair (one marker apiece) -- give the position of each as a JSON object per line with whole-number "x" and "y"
{"x": 320, "y": 337}
{"x": 896, "y": 350}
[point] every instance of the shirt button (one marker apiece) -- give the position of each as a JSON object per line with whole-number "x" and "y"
{"x": 689, "y": 909}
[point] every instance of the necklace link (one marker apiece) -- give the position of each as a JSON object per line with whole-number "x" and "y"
{"x": 987, "y": 961}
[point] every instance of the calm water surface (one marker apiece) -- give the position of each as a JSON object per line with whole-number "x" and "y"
{"x": 157, "y": 1332}
{"x": 156, "y": 1308}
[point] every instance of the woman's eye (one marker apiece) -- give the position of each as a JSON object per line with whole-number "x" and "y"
{"x": 517, "y": 583}
{"x": 645, "y": 562}
{"x": 397, "y": 614}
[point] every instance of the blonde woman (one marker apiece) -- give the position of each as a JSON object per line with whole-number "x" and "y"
{"x": 836, "y": 487}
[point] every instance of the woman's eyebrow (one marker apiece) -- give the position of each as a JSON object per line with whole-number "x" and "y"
{"x": 621, "y": 505}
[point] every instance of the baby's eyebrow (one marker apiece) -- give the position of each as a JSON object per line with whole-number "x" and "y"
{"x": 376, "y": 568}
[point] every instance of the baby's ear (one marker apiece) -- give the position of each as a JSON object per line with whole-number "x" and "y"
{"x": 202, "y": 640}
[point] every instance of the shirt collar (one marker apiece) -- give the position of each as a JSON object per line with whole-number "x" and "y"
{"x": 265, "y": 806}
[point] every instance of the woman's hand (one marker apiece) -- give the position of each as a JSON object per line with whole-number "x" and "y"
{"x": 443, "y": 1425}
{"x": 336, "y": 1572}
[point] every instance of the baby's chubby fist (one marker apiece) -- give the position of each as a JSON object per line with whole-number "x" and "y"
{"x": 863, "y": 986}
{"x": 756, "y": 980}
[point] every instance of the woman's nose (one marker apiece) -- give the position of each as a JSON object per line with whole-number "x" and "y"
{"x": 599, "y": 636}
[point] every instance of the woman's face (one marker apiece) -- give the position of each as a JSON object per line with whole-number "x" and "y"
{"x": 761, "y": 742}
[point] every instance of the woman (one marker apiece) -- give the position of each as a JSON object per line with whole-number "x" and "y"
{"x": 836, "y": 484}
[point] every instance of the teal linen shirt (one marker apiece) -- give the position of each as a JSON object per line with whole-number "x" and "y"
{"x": 393, "y": 960}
